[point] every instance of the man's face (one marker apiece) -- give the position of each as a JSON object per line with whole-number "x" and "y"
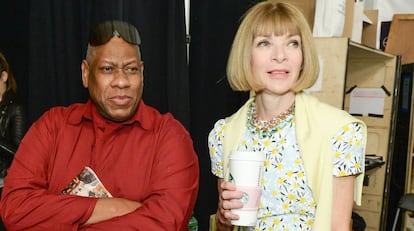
{"x": 113, "y": 74}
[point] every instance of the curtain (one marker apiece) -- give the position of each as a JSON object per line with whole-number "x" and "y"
{"x": 212, "y": 28}
{"x": 14, "y": 17}
{"x": 58, "y": 34}
{"x": 45, "y": 41}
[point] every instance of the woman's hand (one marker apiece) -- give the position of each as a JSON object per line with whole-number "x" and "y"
{"x": 228, "y": 199}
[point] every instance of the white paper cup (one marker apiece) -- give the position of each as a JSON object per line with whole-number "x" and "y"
{"x": 250, "y": 199}
{"x": 246, "y": 170}
{"x": 248, "y": 217}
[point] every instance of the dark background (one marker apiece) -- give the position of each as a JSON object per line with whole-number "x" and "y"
{"x": 45, "y": 41}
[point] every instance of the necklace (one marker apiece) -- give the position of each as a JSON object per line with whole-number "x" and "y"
{"x": 267, "y": 128}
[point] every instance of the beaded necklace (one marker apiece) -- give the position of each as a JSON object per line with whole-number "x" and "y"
{"x": 267, "y": 128}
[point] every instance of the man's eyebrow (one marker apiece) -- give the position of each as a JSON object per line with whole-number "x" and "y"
{"x": 113, "y": 63}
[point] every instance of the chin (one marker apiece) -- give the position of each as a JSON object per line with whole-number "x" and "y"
{"x": 118, "y": 117}
{"x": 123, "y": 117}
{"x": 118, "y": 114}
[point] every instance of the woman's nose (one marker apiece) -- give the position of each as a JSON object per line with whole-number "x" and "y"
{"x": 279, "y": 60}
{"x": 279, "y": 55}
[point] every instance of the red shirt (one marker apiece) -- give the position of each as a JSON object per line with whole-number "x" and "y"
{"x": 149, "y": 158}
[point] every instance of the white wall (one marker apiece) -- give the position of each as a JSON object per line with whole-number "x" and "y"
{"x": 387, "y": 8}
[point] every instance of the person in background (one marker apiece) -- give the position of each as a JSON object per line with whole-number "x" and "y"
{"x": 12, "y": 118}
{"x": 139, "y": 165}
{"x": 314, "y": 152}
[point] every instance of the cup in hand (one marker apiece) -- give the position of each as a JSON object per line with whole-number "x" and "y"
{"x": 246, "y": 170}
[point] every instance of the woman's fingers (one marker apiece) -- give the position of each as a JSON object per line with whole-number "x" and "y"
{"x": 229, "y": 199}
{"x": 225, "y": 185}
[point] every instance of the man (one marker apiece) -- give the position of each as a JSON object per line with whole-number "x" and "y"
{"x": 138, "y": 167}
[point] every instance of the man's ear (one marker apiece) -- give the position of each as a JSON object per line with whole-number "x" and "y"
{"x": 85, "y": 73}
{"x": 4, "y": 76}
{"x": 142, "y": 71}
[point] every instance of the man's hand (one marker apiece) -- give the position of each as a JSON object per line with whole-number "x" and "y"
{"x": 108, "y": 208}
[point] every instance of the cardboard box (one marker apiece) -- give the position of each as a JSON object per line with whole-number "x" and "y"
{"x": 400, "y": 37}
{"x": 360, "y": 25}
{"x": 369, "y": 30}
{"x": 353, "y": 20}
{"x": 308, "y": 9}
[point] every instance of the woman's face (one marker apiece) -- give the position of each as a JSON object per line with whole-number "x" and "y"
{"x": 3, "y": 81}
{"x": 277, "y": 62}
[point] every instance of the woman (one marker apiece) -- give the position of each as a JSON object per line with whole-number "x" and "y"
{"x": 314, "y": 152}
{"x": 12, "y": 119}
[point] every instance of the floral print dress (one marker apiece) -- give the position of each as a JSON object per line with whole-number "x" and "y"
{"x": 287, "y": 202}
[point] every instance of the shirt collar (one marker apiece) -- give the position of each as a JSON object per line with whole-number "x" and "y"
{"x": 89, "y": 112}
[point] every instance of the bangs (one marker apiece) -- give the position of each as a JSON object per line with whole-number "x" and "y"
{"x": 276, "y": 22}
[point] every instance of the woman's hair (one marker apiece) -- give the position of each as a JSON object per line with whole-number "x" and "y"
{"x": 11, "y": 82}
{"x": 266, "y": 18}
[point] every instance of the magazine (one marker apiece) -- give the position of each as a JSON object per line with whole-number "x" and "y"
{"x": 87, "y": 184}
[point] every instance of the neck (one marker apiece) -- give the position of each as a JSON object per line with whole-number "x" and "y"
{"x": 268, "y": 107}
{"x": 2, "y": 94}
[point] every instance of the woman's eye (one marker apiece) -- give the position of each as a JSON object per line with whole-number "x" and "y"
{"x": 262, "y": 43}
{"x": 294, "y": 43}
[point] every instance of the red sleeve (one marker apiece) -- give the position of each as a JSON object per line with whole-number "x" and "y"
{"x": 27, "y": 201}
{"x": 174, "y": 187}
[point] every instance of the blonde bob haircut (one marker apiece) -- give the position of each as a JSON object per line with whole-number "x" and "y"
{"x": 266, "y": 18}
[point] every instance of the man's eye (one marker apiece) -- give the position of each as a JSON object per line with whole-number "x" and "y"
{"x": 131, "y": 70}
{"x": 107, "y": 69}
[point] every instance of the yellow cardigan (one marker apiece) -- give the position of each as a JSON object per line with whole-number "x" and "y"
{"x": 316, "y": 125}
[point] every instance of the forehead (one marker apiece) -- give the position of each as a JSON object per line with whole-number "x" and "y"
{"x": 273, "y": 25}
{"x": 116, "y": 50}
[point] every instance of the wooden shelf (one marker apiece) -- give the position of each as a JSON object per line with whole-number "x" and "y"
{"x": 344, "y": 65}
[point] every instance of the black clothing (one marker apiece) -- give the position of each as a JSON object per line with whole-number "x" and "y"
{"x": 12, "y": 129}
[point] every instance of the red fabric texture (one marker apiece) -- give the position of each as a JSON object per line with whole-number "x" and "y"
{"x": 149, "y": 158}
